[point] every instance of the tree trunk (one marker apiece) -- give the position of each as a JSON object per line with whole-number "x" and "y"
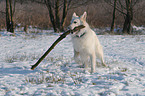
{"x": 26, "y": 29}
{"x": 65, "y": 9}
{"x": 8, "y": 15}
{"x": 127, "y": 28}
{"x": 113, "y": 19}
{"x": 48, "y": 4}
{"x": 11, "y": 14}
{"x": 54, "y": 14}
{"x": 57, "y": 19}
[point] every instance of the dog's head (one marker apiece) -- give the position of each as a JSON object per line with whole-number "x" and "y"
{"x": 76, "y": 20}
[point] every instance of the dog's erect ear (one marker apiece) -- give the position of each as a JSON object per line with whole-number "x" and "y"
{"x": 74, "y": 15}
{"x": 84, "y": 16}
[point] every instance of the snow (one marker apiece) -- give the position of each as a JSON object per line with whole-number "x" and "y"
{"x": 58, "y": 74}
{"x": 138, "y": 28}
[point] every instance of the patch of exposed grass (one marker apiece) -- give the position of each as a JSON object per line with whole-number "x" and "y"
{"x": 20, "y": 57}
{"x": 123, "y": 69}
{"x": 44, "y": 79}
{"x": 77, "y": 79}
{"x": 51, "y": 78}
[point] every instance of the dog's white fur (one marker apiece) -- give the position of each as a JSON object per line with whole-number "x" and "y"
{"x": 85, "y": 42}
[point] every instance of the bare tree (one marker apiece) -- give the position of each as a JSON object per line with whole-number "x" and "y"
{"x": 9, "y": 15}
{"x": 126, "y": 8}
{"x": 127, "y": 28}
{"x": 113, "y": 17}
{"x": 58, "y": 10}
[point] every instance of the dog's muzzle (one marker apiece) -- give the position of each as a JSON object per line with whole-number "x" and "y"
{"x": 70, "y": 28}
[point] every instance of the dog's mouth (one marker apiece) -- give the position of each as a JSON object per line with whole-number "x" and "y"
{"x": 76, "y": 32}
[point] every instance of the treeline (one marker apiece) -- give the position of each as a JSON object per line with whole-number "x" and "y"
{"x": 57, "y": 14}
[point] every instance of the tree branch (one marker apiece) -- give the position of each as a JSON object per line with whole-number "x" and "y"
{"x": 122, "y": 7}
{"x": 14, "y": 7}
{"x": 55, "y": 43}
{"x": 116, "y": 8}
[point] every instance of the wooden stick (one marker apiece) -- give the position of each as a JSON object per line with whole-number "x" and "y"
{"x": 55, "y": 43}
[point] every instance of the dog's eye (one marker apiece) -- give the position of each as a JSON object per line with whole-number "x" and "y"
{"x": 75, "y": 22}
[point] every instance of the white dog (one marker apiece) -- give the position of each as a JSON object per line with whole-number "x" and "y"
{"x": 85, "y": 42}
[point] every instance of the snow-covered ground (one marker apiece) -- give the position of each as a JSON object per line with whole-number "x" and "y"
{"x": 59, "y": 75}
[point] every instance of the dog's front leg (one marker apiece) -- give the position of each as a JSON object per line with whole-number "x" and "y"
{"x": 84, "y": 60}
{"x": 93, "y": 62}
{"x": 76, "y": 56}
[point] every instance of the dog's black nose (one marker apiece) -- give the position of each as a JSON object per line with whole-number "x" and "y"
{"x": 69, "y": 28}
